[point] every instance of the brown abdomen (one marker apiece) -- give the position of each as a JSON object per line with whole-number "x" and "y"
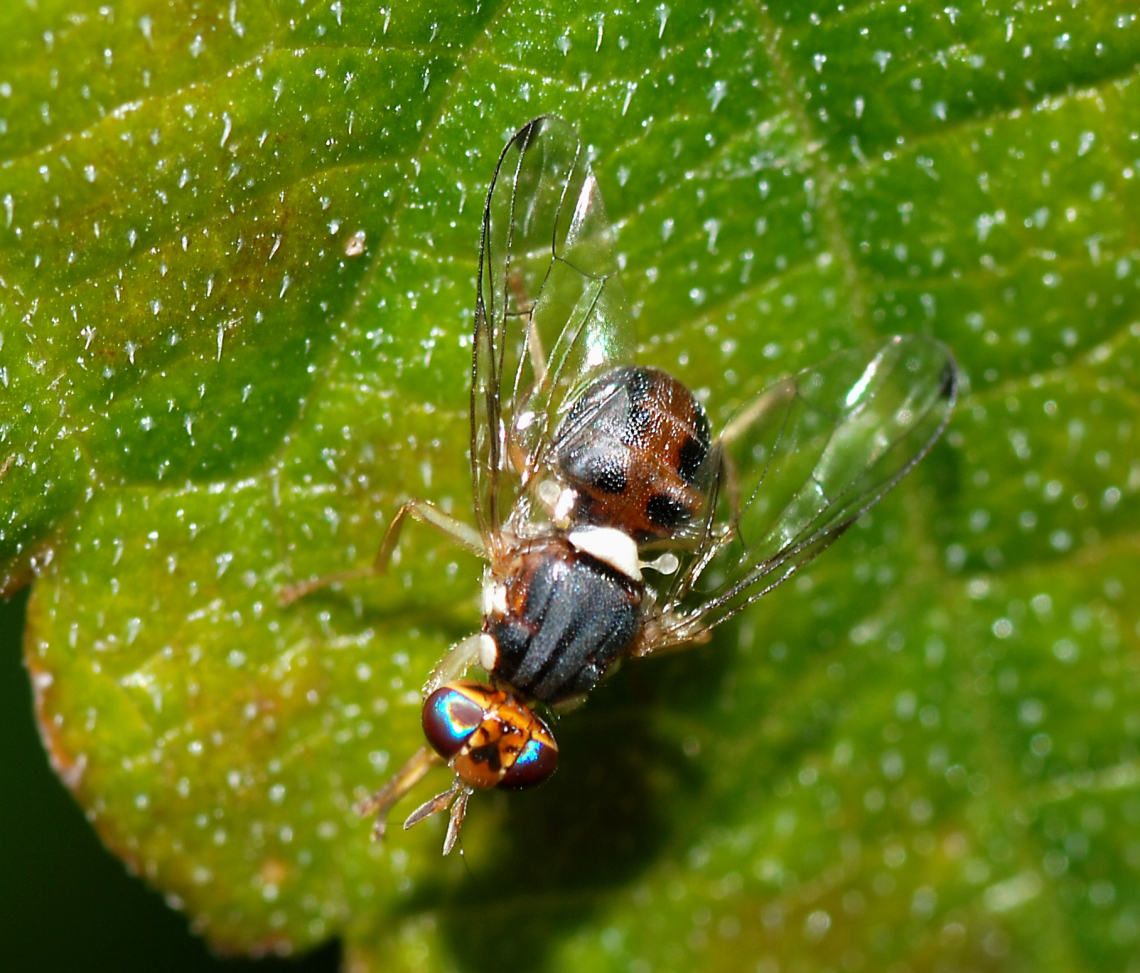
{"x": 635, "y": 447}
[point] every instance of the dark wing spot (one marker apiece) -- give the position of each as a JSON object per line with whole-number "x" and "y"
{"x": 664, "y": 511}
{"x": 692, "y": 455}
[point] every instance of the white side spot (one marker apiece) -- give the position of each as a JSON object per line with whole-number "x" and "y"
{"x": 548, "y": 492}
{"x": 563, "y": 507}
{"x": 610, "y": 546}
{"x": 488, "y": 652}
{"x": 494, "y": 598}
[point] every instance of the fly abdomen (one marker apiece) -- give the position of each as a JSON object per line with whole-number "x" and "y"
{"x": 568, "y": 618}
{"x": 636, "y": 450}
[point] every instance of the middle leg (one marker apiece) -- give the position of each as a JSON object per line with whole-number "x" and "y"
{"x": 421, "y": 510}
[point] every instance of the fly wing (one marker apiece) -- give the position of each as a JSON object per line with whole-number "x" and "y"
{"x": 801, "y": 462}
{"x": 550, "y": 311}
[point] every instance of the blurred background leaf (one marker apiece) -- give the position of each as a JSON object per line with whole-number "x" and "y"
{"x": 237, "y": 257}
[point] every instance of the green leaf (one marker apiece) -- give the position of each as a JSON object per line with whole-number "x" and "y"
{"x": 237, "y": 261}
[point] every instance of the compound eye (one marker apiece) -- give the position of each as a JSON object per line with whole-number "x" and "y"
{"x": 450, "y": 716}
{"x": 537, "y": 761}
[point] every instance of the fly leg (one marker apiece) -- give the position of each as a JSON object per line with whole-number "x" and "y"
{"x": 421, "y": 510}
{"x": 455, "y": 797}
{"x": 400, "y": 783}
{"x": 457, "y": 660}
{"x": 430, "y": 514}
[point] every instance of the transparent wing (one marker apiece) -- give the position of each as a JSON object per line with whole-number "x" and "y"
{"x": 801, "y": 462}
{"x": 550, "y": 313}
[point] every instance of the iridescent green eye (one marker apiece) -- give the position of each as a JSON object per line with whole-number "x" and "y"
{"x": 537, "y": 761}
{"x": 489, "y": 737}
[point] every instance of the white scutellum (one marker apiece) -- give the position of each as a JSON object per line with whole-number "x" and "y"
{"x": 610, "y": 546}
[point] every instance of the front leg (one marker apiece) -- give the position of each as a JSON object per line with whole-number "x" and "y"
{"x": 381, "y": 802}
{"x": 478, "y": 648}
